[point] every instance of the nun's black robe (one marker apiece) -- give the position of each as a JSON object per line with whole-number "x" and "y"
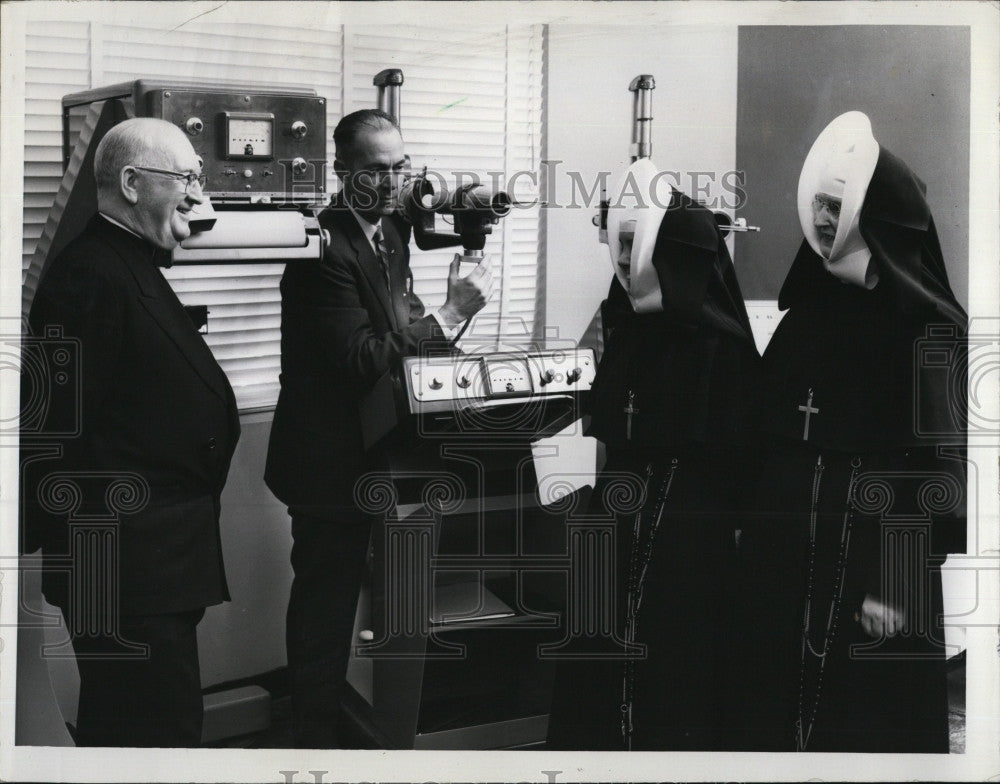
{"x": 689, "y": 372}
{"x": 883, "y": 468}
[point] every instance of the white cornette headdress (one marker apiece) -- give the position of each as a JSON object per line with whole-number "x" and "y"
{"x": 840, "y": 163}
{"x": 641, "y": 194}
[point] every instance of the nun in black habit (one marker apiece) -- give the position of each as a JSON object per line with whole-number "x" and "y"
{"x": 861, "y": 491}
{"x": 670, "y": 404}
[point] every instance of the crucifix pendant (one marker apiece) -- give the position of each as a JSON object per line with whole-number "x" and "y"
{"x": 808, "y": 410}
{"x": 629, "y": 410}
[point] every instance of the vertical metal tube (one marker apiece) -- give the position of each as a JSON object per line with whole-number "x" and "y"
{"x": 642, "y": 116}
{"x": 389, "y": 83}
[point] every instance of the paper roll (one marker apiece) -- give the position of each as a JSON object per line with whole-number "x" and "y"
{"x": 247, "y": 229}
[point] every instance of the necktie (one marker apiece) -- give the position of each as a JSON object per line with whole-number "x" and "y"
{"x": 383, "y": 254}
{"x": 399, "y": 307}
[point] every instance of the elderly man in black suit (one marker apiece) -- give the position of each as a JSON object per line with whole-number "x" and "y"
{"x": 344, "y": 324}
{"x": 155, "y": 410}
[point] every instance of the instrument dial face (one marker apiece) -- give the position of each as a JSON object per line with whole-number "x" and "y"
{"x": 250, "y": 137}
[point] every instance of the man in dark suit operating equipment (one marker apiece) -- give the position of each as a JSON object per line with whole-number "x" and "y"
{"x": 345, "y": 323}
{"x": 157, "y": 429}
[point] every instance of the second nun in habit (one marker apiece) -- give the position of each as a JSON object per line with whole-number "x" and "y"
{"x": 861, "y": 491}
{"x": 669, "y": 403}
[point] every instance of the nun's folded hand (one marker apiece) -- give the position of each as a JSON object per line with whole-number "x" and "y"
{"x": 880, "y": 619}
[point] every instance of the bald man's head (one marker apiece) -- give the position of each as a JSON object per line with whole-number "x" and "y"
{"x": 140, "y": 166}
{"x": 140, "y": 141}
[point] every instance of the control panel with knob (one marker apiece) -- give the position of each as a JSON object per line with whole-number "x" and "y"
{"x": 239, "y": 128}
{"x": 437, "y": 383}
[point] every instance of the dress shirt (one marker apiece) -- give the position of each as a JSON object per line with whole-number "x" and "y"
{"x": 369, "y": 230}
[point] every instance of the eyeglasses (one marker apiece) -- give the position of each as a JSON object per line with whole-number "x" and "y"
{"x": 189, "y": 178}
{"x": 828, "y": 203}
{"x": 377, "y": 177}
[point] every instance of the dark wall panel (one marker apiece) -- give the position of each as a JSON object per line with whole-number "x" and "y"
{"x": 913, "y": 82}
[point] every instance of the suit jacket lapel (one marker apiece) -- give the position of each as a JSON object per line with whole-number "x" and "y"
{"x": 367, "y": 260}
{"x": 171, "y": 318}
{"x": 160, "y": 301}
{"x": 372, "y": 268}
{"x": 397, "y": 275}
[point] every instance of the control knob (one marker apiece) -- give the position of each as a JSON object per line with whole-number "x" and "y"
{"x": 299, "y": 129}
{"x": 574, "y": 375}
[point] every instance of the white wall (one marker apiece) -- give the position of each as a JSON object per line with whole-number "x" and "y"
{"x": 590, "y": 126}
{"x": 246, "y": 636}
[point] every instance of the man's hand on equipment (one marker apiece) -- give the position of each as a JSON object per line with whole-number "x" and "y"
{"x": 879, "y": 619}
{"x": 468, "y": 295}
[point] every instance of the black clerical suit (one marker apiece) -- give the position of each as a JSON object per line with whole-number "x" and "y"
{"x": 878, "y": 475}
{"x": 345, "y": 323}
{"x": 157, "y": 428}
{"x": 669, "y": 402}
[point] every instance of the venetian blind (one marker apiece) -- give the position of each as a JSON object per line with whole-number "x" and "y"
{"x": 471, "y": 102}
{"x": 243, "y": 299}
{"x": 471, "y": 106}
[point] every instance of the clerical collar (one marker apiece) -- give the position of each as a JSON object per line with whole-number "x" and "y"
{"x": 120, "y": 225}
{"x": 160, "y": 257}
{"x": 368, "y": 228}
